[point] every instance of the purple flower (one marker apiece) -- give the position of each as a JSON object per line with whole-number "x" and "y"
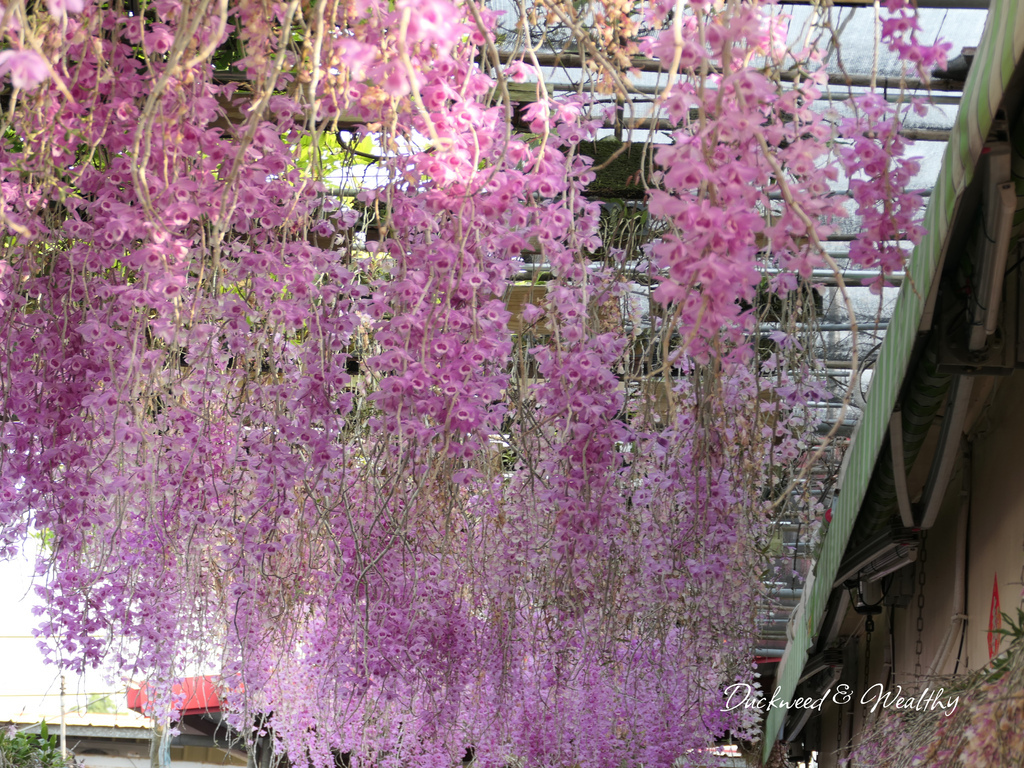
{"x": 58, "y": 8}
{"x": 28, "y": 69}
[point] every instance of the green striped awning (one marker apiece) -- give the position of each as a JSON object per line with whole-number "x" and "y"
{"x": 998, "y": 53}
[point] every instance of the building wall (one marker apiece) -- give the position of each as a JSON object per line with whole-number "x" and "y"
{"x": 996, "y": 532}
{"x": 108, "y": 761}
{"x": 995, "y": 553}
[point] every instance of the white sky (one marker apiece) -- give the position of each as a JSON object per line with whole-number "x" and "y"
{"x": 29, "y": 686}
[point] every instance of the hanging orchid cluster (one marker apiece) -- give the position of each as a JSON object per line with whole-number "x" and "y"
{"x": 984, "y": 729}
{"x": 336, "y": 469}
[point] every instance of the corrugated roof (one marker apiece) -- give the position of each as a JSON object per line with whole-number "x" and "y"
{"x": 126, "y": 725}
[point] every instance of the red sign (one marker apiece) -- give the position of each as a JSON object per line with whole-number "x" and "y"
{"x": 192, "y": 696}
{"x": 995, "y": 621}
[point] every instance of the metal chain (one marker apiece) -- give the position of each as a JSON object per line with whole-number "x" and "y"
{"x": 839, "y": 733}
{"x": 869, "y": 627}
{"x": 922, "y": 577}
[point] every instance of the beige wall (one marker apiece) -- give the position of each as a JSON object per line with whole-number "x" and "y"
{"x": 995, "y": 550}
{"x": 214, "y": 758}
{"x": 996, "y": 537}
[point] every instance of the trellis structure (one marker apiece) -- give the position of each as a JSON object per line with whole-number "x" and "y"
{"x": 304, "y": 422}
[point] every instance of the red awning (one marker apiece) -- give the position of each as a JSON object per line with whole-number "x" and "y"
{"x": 192, "y": 696}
